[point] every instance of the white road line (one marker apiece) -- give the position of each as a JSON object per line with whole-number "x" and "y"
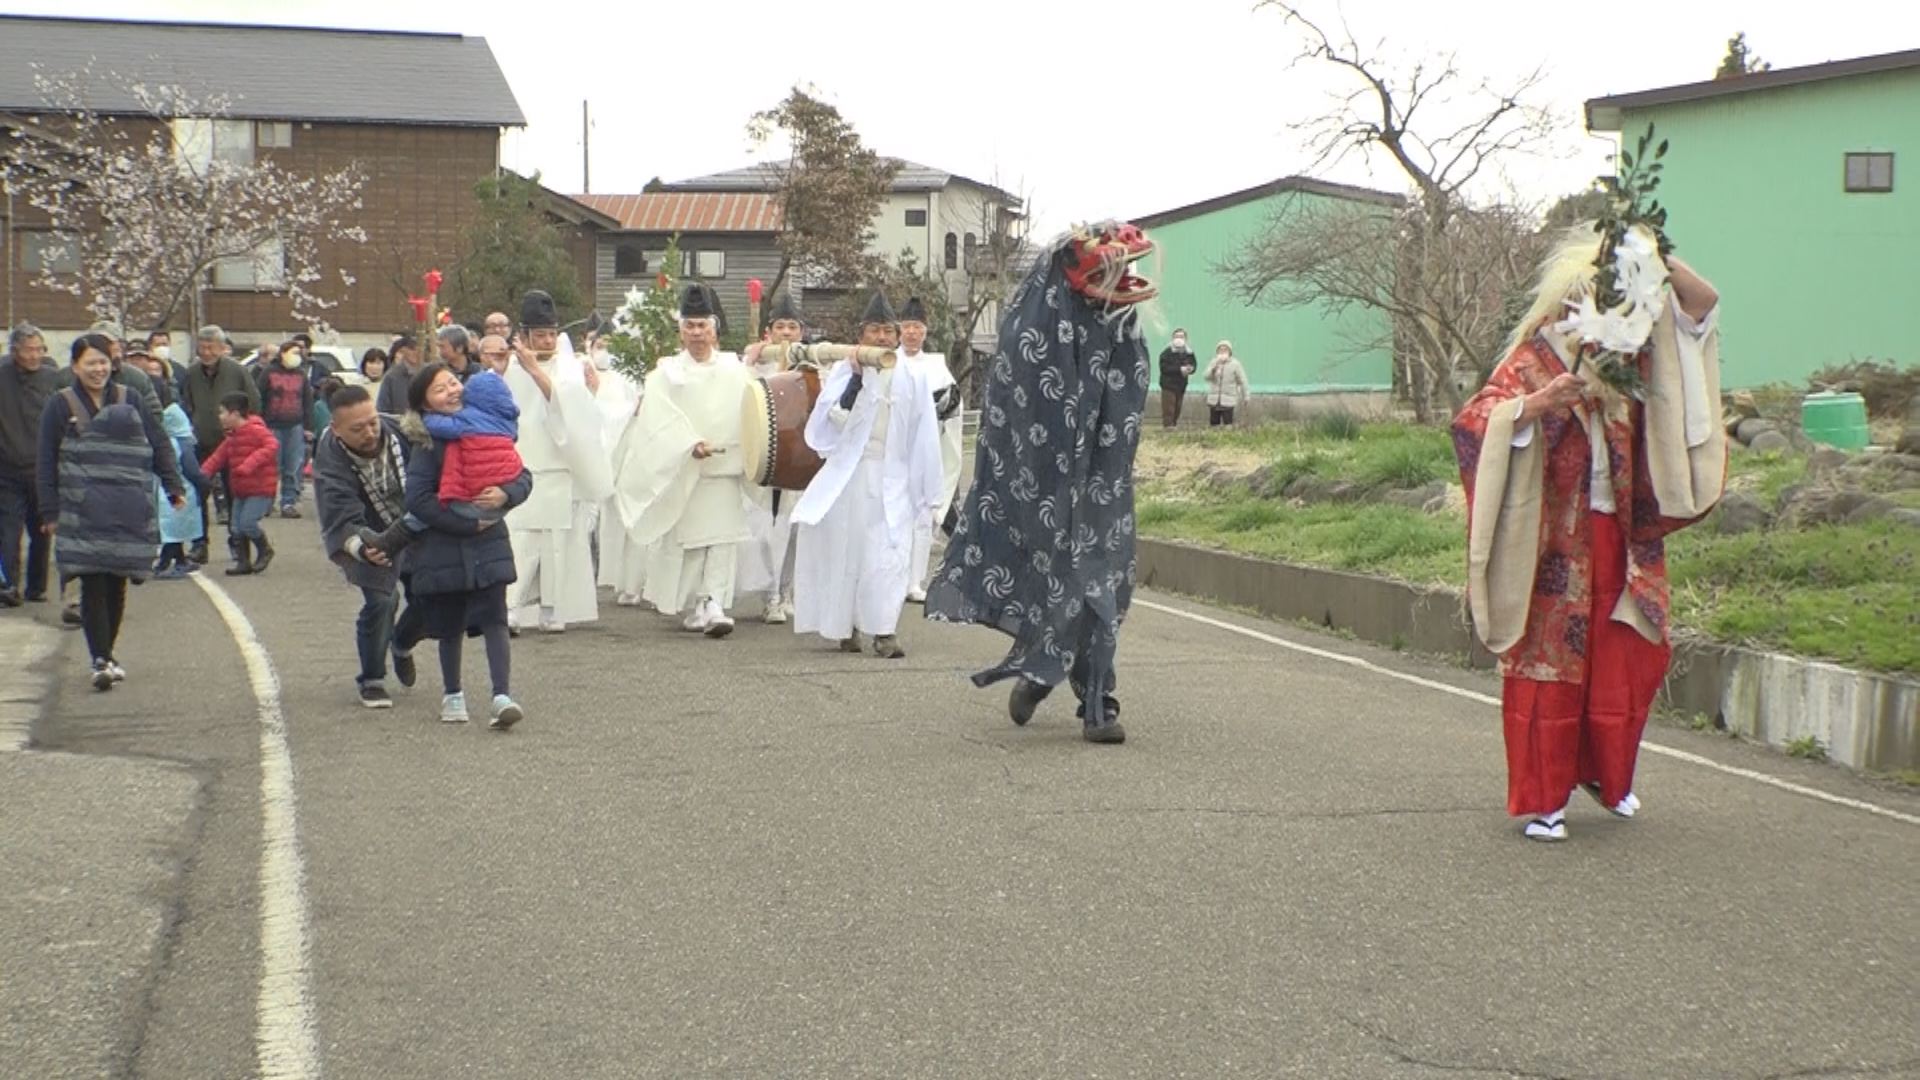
{"x": 284, "y": 1037}
{"x": 1488, "y": 699}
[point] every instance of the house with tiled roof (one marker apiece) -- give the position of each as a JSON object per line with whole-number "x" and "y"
{"x": 727, "y": 238}
{"x": 943, "y": 218}
{"x": 421, "y": 113}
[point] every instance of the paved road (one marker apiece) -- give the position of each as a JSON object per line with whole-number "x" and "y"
{"x": 760, "y": 857}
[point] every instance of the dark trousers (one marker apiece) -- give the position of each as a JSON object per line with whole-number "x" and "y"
{"x": 373, "y": 632}
{"x": 103, "y": 603}
{"x": 1218, "y": 416}
{"x": 1171, "y": 398}
{"x": 20, "y": 513}
{"x": 411, "y": 627}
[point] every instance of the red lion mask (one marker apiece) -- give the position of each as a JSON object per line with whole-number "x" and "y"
{"x": 1100, "y": 262}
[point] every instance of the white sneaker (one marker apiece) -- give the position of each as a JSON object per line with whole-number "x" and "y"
{"x": 777, "y": 613}
{"x": 505, "y": 713}
{"x": 627, "y": 599}
{"x": 119, "y": 673}
{"x": 916, "y": 595}
{"x": 453, "y": 709}
{"x": 719, "y": 625}
{"x": 550, "y": 622}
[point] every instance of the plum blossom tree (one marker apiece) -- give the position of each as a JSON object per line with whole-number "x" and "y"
{"x": 151, "y": 205}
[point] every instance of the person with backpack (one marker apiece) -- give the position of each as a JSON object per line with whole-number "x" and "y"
{"x": 286, "y": 405}
{"x": 100, "y": 451}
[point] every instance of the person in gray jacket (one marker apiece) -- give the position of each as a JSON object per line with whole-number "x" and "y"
{"x": 359, "y": 484}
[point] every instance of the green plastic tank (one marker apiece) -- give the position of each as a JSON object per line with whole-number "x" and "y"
{"x": 1838, "y": 420}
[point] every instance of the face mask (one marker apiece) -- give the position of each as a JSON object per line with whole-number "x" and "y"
{"x": 162, "y": 353}
{"x": 290, "y": 361}
{"x": 602, "y": 359}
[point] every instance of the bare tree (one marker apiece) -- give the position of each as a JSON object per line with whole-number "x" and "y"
{"x": 1341, "y": 256}
{"x": 151, "y": 206}
{"x": 1448, "y": 136}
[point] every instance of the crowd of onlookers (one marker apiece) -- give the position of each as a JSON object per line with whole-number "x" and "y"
{"x": 208, "y": 440}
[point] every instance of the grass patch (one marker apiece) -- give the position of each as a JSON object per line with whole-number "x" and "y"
{"x": 1336, "y": 426}
{"x": 1387, "y": 540}
{"x": 1807, "y": 748}
{"x": 1847, "y": 593}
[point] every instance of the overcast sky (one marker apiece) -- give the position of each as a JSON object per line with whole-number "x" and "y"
{"x": 1087, "y": 113}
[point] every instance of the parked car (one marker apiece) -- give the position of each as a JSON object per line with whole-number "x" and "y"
{"x": 336, "y": 359}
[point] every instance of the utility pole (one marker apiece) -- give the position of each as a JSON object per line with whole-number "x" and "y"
{"x": 586, "y": 170}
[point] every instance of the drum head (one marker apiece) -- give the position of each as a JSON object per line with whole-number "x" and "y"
{"x": 757, "y": 435}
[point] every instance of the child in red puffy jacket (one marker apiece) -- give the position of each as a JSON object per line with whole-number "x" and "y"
{"x": 250, "y": 456}
{"x": 479, "y": 438}
{"x": 480, "y": 454}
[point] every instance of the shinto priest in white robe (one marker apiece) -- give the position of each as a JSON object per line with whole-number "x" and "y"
{"x": 552, "y": 531}
{"x": 689, "y": 513}
{"x": 934, "y": 367}
{"x": 856, "y": 519}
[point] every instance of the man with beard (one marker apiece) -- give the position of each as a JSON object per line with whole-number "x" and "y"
{"x": 359, "y": 477}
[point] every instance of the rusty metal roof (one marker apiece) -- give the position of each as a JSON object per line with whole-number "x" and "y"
{"x": 690, "y": 212}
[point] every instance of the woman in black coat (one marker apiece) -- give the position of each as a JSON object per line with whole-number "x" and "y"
{"x": 461, "y": 566}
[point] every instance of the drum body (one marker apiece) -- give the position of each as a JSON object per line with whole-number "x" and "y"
{"x": 773, "y": 429}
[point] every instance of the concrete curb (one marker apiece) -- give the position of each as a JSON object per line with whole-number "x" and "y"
{"x": 1862, "y": 719}
{"x": 26, "y": 680}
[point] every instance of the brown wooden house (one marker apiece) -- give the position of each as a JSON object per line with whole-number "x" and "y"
{"x": 421, "y": 113}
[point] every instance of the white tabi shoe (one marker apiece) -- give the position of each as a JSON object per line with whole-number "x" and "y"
{"x": 550, "y": 622}
{"x": 916, "y": 595}
{"x": 777, "y": 613}
{"x": 1625, "y": 808}
{"x": 627, "y": 599}
{"x": 1549, "y": 828}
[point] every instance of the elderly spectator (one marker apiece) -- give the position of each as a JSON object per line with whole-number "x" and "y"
{"x": 1226, "y": 385}
{"x": 495, "y": 353}
{"x": 27, "y": 381}
{"x": 453, "y": 347}
{"x": 496, "y": 324}
{"x": 1176, "y": 366}
{"x": 211, "y": 377}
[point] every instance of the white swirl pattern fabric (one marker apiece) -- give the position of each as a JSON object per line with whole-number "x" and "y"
{"x": 1044, "y": 547}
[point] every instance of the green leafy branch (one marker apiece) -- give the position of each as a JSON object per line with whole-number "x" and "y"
{"x": 647, "y": 327}
{"x": 1630, "y": 202}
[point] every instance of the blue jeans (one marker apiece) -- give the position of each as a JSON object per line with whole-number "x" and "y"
{"x": 293, "y": 458}
{"x": 247, "y": 513}
{"x": 373, "y": 632}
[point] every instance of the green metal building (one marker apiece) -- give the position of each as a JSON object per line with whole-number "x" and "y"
{"x": 1783, "y": 193}
{"x": 1300, "y": 350}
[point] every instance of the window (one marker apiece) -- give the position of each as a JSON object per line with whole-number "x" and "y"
{"x": 265, "y": 270}
{"x": 916, "y": 219}
{"x": 197, "y": 143}
{"x": 630, "y": 261}
{"x": 971, "y": 245}
{"x": 53, "y": 252}
{"x": 953, "y": 252}
{"x": 705, "y": 264}
{"x": 272, "y": 134}
{"x": 1870, "y": 172}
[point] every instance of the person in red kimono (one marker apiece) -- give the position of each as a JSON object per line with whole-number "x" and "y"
{"x": 1571, "y": 488}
